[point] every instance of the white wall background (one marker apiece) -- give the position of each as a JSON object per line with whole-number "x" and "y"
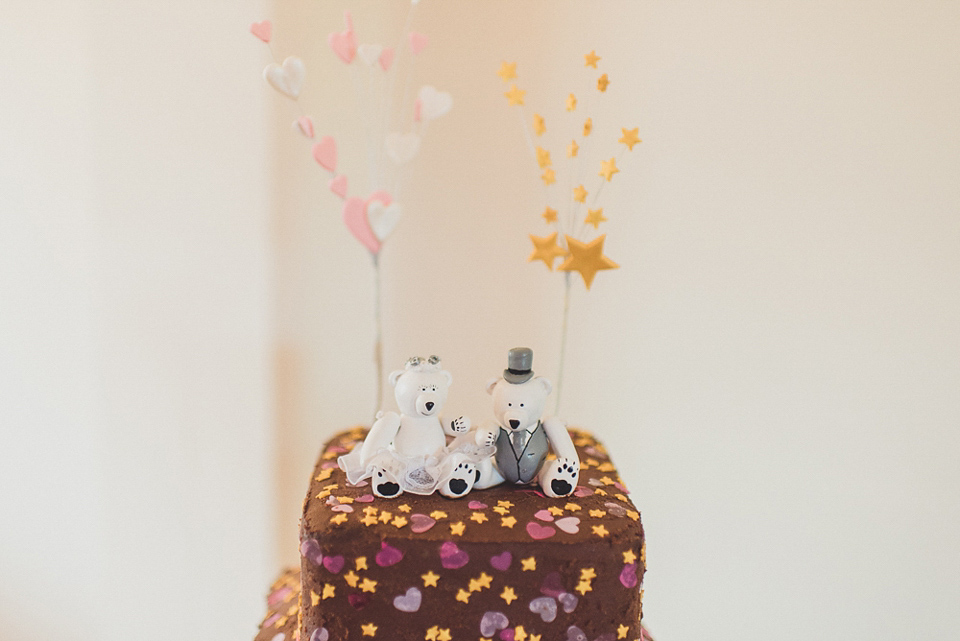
{"x": 777, "y": 361}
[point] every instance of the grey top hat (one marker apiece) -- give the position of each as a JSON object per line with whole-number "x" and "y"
{"x": 519, "y": 365}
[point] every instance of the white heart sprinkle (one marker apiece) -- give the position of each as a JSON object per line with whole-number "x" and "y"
{"x": 433, "y": 103}
{"x": 286, "y": 78}
{"x": 383, "y": 219}
{"x": 402, "y": 147}
{"x": 369, "y": 54}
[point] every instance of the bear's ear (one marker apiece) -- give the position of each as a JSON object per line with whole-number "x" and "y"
{"x": 491, "y": 384}
{"x": 394, "y": 377}
{"x": 448, "y": 376}
{"x": 545, "y": 384}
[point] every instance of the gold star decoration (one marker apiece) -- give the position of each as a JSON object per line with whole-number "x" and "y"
{"x": 484, "y": 580}
{"x": 438, "y": 514}
{"x": 548, "y": 177}
{"x": 515, "y": 96}
{"x": 630, "y": 137}
{"x": 608, "y": 168}
{"x": 603, "y": 82}
{"x": 580, "y": 194}
{"x": 519, "y": 634}
{"x": 539, "y": 125}
{"x": 508, "y": 71}
{"x": 463, "y": 596}
{"x": 573, "y": 507}
{"x": 534, "y": 637}
{"x": 444, "y": 635}
{"x": 529, "y": 563}
{"x": 432, "y": 633}
{"x": 368, "y": 586}
{"x": 508, "y": 521}
{"x": 572, "y": 149}
{"x": 351, "y": 578}
{"x": 329, "y": 591}
{"x": 508, "y": 595}
{"x": 369, "y": 630}
{"x": 506, "y": 504}
{"x": 583, "y": 587}
{"x": 606, "y": 480}
{"x": 547, "y": 250}
{"x": 554, "y": 510}
{"x": 587, "y": 126}
{"x": 324, "y": 474}
{"x": 403, "y": 508}
{"x": 543, "y": 158}
{"x": 633, "y": 515}
{"x": 587, "y": 258}
{"x": 399, "y": 521}
{"x": 600, "y": 531}
{"x": 430, "y": 579}
{"x": 598, "y": 514}
{"x": 594, "y": 217}
{"x": 385, "y": 517}
{"x": 592, "y": 59}
{"x": 571, "y": 102}
{"x": 457, "y": 528}
{"x": 549, "y": 215}
{"x": 361, "y": 563}
{"x": 499, "y": 509}
{"x": 479, "y": 517}
{"x": 314, "y": 598}
{"x": 587, "y": 573}
{"x": 339, "y": 519}
{"x": 622, "y": 631}
{"x": 369, "y": 519}
{"x": 629, "y": 557}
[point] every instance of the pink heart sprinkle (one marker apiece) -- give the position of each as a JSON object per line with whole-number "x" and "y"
{"x": 569, "y": 524}
{"x": 452, "y": 557}
{"x": 333, "y": 563}
{"x": 582, "y": 491}
{"x": 544, "y": 515}
{"x": 304, "y": 125}
{"x": 358, "y": 600}
{"x": 420, "y": 523}
{"x": 628, "y": 576}
{"x": 262, "y": 30}
{"x": 325, "y": 153}
{"x": 501, "y": 561}
{"x": 386, "y": 58}
{"x": 366, "y": 498}
{"x": 552, "y": 585}
{"x": 342, "y": 508}
{"x": 382, "y": 195}
{"x": 539, "y": 532}
{"x": 279, "y": 596}
{"x": 620, "y": 486}
{"x": 338, "y": 185}
{"x": 476, "y": 505}
{"x": 418, "y": 42}
{"x": 507, "y": 635}
{"x": 355, "y": 218}
{"x": 344, "y": 44}
{"x": 327, "y": 465}
{"x": 388, "y": 555}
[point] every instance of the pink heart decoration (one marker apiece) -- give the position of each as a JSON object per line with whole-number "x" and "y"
{"x": 262, "y": 30}
{"x": 620, "y": 486}
{"x": 582, "y": 491}
{"x": 344, "y": 44}
{"x": 539, "y": 532}
{"x": 507, "y": 635}
{"x": 358, "y": 600}
{"x": 386, "y": 58}
{"x": 304, "y": 125}
{"x": 333, "y": 563}
{"x": 382, "y": 195}
{"x": 569, "y": 524}
{"x": 628, "y": 576}
{"x": 279, "y": 596}
{"x": 366, "y": 498}
{"x": 544, "y": 515}
{"x": 338, "y": 185}
{"x": 341, "y": 508}
{"x": 552, "y": 585}
{"x": 501, "y": 561}
{"x": 355, "y": 218}
{"x": 452, "y": 557}
{"x": 388, "y": 555}
{"x": 418, "y": 42}
{"x": 476, "y": 505}
{"x": 420, "y": 523}
{"x": 325, "y": 153}
{"x": 310, "y": 549}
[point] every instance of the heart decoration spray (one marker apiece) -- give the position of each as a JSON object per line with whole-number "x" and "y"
{"x": 372, "y": 216}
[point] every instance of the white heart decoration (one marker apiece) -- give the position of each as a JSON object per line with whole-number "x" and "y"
{"x": 286, "y": 78}
{"x": 402, "y": 147}
{"x": 383, "y": 219}
{"x": 433, "y": 103}
{"x": 369, "y": 54}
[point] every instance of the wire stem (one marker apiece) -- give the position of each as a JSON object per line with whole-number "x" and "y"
{"x": 563, "y": 338}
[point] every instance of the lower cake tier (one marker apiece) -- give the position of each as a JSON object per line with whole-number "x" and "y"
{"x": 504, "y": 563}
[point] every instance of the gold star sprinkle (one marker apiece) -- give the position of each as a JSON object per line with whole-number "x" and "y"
{"x": 346, "y": 500}
{"x": 547, "y": 250}
{"x": 595, "y": 217}
{"x": 573, "y": 507}
{"x": 600, "y": 492}
{"x": 543, "y": 158}
{"x": 474, "y": 585}
{"x": 587, "y": 258}
{"x": 282, "y": 621}
{"x": 508, "y": 521}
{"x": 598, "y": 514}
{"x": 385, "y": 517}
{"x": 484, "y": 580}
{"x": 600, "y": 531}
{"x": 548, "y": 177}
{"x": 323, "y": 495}
{"x": 554, "y": 510}
{"x": 633, "y": 515}
{"x": 515, "y": 96}
{"x": 479, "y": 517}
{"x": 572, "y": 149}
{"x": 403, "y": 508}
{"x": 629, "y": 557}
{"x": 534, "y": 637}
{"x": 457, "y": 528}
{"x": 506, "y": 504}
{"x": 329, "y": 591}
{"x": 432, "y": 633}
{"x": 588, "y": 573}
{"x": 430, "y": 579}
{"x": 351, "y": 579}
{"x": 605, "y": 467}
{"x": 324, "y": 474}
{"x": 603, "y": 82}
{"x": 361, "y": 562}
{"x": 369, "y": 520}
{"x": 519, "y": 634}
{"x": 508, "y": 595}
{"x": 508, "y": 71}
{"x": 606, "y": 480}
{"x": 539, "y": 125}
{"x": 550, "y": 215}
{"x": 463, "y": 596}
{"x": 571, "y": 102}
{"x": 370, "y": 510}
{"x": 621, "y": 497}
{"x": 369, "y": 630}
{"x": 592, "y": 59}
{"x": 399, "y": 521}
{"x": 579, "y": 194}
{"x": 314, "y": 598}
{"x": 608, "y": 169}
{"x": 583, "y": 587}
{"x": 499, "y": 509}
{"x": 622, "y": 631}
{"x": 368, "y": 586}
{"x": 529, "y": 563}
{"x": 444, "y": 635}
{"x": 643, "y": 553}
{"x": 630, "y": 137}
{"x": 339, "y": 519}
{"x": 587, "y": 127}
{"x": 438, "y": 514}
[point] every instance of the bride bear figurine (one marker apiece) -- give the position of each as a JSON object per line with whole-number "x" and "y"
{"x": 408, "y": 452}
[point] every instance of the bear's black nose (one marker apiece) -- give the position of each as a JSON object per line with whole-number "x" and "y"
{"x": 514, "y": 423}
{"x": 429, "y": 405}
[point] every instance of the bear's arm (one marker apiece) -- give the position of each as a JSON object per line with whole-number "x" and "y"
{"x": 381, "y": 435}
{"x": 560, "y": 441}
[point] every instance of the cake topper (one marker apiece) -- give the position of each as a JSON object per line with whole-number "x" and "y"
{"x": 572, "y": 209}
{"x": 522, "y": 437}
{"x": 408, "y": 452}
{"x": 393, "y": 125}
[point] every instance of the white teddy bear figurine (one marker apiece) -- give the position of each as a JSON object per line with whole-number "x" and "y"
{"x": 408, "y": 452}
{"x": 522, "y": 439}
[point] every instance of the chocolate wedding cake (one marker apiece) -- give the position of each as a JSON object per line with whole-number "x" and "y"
{"x": 503, "y": 563}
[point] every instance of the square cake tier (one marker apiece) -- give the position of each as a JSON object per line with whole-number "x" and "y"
{"x": 505, "y": 563}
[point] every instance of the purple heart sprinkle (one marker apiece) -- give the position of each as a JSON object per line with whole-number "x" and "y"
{"x": 546, "y": 607}
{"x": 568, "y": 601}
{"x": 388, "y": 555}
{"x": 502, "y": 561}
{"x": 320, "y": 634}
{"x": 310, "y": 549}
{"x": 333, "y": 563}
{"x": 452, "y": 557}
{"x": 358, "y": 600}
{"x": 628, "y": 576}
{"x": 420, "y": 523}
{"x": 492, "y": 622}
{"x": 552, "y": 585}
